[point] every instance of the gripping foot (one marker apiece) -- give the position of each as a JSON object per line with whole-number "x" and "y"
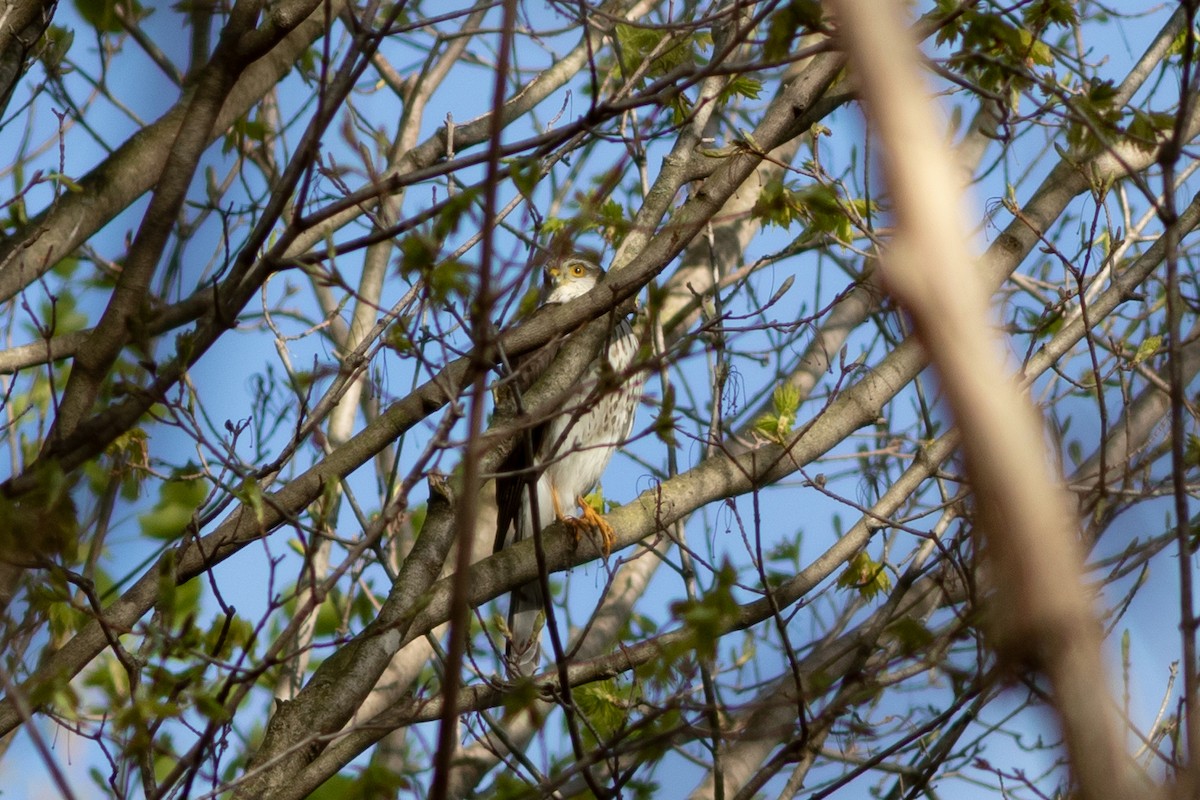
{"x": 592, "y": 524}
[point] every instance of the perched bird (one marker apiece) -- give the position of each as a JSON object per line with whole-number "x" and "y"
{"x": 569, "y": 453}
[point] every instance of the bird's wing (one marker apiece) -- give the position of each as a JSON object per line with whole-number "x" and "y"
{"x": 518, "y": 470}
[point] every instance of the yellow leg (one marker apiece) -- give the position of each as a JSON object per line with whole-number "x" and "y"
{"x": 588, "y": 522}
{"x": 558, "y": 512}
{"x": 591, "y": 523}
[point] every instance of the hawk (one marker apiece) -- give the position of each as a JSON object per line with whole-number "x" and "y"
{"x": 570, "y": 451}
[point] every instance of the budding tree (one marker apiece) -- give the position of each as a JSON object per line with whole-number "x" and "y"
{"x": 913, "y": 298}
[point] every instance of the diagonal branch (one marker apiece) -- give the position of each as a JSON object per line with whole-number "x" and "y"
{"x": 1043, "y": 612}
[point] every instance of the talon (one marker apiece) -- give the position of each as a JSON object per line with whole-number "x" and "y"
{"x": 592, "y": 523}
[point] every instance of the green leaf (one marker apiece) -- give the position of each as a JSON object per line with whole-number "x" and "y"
{"x": 1179, "y": 44}
{"x": 244, "y": 128}
{"x": 396, "y": 337}
{"x": 595, "y": 500}
{"x": 61, "y": 315}
{"x": 526, "y": 172}
{"x": 1145, "y": 128}
{"x": 523, "y": 696}
{"x": 1191, "y": 452}
{"x": 1040, "y": 54}
{"x": 100, "y": 14}
{"x": 910, "y": 634}
{"x": 223, "y": 639}
{"x": 418, "y": 253}
{"x": 786, "y": 22}
{"x": 707, "y": 617}
{"x": 178, "y": 499}
{"x": 250, "y": 493}
{"x": 448, "y": 278}
{"x": 65, "y": 620}
{"x": 637, "y": 44}
{"x": 776, "y": 425}
{"x": 166, "y": 585}
{"x": 66, "y": 267}
{"x": 665, "y": 421}
{"x": 42, "y": 521}
{"x": 1147, "y": 348}
{"x": 1050, "y": 12}
{"x": 457, "y": 206}
{"x": 612, "y": 222}
{"x": 605, "y": 706}
{"x": 776, "y": 205}
{"x": 58, "y": 41}
{"x": 866, "y": 575}
{"x": 740, "y": 86}
{"x": 1075, "y": 452}
{"x": 110, "y": 677}
{"x": 416, "y": 518}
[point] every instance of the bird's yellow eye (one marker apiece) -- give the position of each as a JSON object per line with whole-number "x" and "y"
{"x": 577, "y": 269}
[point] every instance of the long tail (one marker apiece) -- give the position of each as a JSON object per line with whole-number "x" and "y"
{"x": 526, "y": 617}
{"x": 526, "y": 606}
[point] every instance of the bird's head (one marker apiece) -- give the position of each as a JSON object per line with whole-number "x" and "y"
{"x": 570, "y": 278}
